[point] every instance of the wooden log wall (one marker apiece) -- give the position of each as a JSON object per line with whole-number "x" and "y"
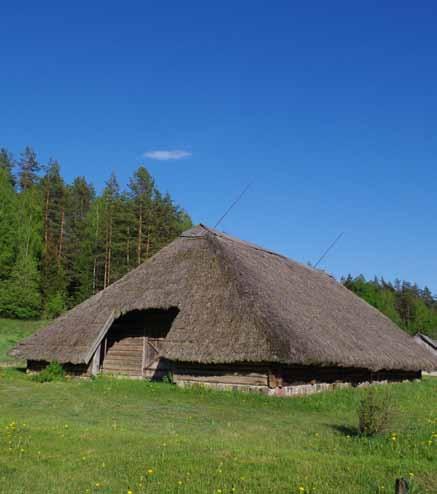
{"x": 282, "y": 376}
{"x": 125, "y": 357}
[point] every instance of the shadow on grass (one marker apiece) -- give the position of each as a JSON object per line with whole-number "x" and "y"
{"x": 346, "y": 430}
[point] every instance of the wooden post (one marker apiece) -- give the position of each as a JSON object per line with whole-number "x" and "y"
{"x": 402, "y": 486}
{"x": 274, "y": 378}
{"x": 143, "y": 362}
{"x": 95, "y": 365}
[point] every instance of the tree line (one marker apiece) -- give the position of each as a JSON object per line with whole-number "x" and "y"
{"x": 61, "y": 242}
{"x": 410, "y": 307}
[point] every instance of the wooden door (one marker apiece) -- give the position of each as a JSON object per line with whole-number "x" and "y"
{"x": 152, "y": 347}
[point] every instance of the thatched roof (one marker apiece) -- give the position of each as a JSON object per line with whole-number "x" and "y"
{"x": 428, "y": 340}
{"x": 238, "y": 303}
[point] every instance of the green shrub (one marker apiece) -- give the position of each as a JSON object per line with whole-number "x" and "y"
{"x": 53, "y": 372}
{"x": 168, "y": 378}
{"x": 375, "y": 412}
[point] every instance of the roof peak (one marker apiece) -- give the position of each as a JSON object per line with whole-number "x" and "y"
{"x": 201, "y": 229}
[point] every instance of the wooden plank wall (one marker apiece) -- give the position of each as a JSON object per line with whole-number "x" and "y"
{"x": 124, "y": 351}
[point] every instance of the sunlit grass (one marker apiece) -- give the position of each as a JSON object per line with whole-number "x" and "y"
{"x": 115, "y": 436}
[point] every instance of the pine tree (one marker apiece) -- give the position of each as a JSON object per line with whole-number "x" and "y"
{"x": 168, "y": 222}
{"x": 142, "y": 190}
{"x": 7, "y": 164}
{"x": 28, "y": 168}
{"x": 20, "y": 294}
{"x": 69, "y": 243}
{"x": 112, "y": 202}
{"x": 52, "y": 264}
{"x": 94, "y": 229}
{"x": 78, "y": 246}
{"x": 8, "y": 224}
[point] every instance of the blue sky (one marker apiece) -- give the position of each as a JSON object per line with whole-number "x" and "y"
{"x": 330, "y": 110}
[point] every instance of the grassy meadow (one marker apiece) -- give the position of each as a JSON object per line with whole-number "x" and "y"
{"x": 122, "y": 436}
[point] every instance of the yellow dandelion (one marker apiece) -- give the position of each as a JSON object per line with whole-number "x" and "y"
{"x": 150, "y": 471}
{"x": 301, "y": 488}
{"x": 97, "y": 484}
{"x": 179, "y": 482}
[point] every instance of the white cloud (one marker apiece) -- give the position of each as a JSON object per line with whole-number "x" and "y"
{"x": 177, "y": 154}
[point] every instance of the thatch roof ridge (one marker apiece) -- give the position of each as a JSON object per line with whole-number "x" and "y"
{"x": 245, "y": 243}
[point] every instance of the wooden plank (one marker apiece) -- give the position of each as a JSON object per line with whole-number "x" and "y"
{"x": 95, "y": 364}
{"x": 122, "y": 354}
{"x": 122, "y": 372}
{"x": 113, "y": 367}
{"x": 249, "y": 379}
{"x": 121, "y": 362}
{"x": 125, "y": 344}
{"x": 143, "y": 357}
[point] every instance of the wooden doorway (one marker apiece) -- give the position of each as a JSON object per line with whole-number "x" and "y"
{"x": 133, "y": 344}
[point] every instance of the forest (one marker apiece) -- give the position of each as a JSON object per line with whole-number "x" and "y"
{"x": 61, "y": 243}
{"x": 410, "y": 307}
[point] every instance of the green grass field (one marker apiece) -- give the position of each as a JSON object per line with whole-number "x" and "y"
{"x": 115, "y": 436}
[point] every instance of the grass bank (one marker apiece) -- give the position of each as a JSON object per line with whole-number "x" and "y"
{"x": 111, "y": 436}
{"x": 115, "y": 436}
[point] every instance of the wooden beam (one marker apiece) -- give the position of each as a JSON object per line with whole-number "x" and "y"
{"x": 95, "y": 364}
